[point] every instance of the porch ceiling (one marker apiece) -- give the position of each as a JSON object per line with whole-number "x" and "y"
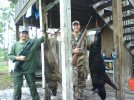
{"x": 80, "y": 10}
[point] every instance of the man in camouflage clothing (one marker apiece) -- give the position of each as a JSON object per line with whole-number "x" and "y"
{"x": 79, "y": 70}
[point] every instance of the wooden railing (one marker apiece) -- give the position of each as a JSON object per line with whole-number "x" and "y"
{"x": 19, "y": 6}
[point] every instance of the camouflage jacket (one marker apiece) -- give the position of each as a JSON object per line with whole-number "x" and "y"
{"x": 82, "y": 58}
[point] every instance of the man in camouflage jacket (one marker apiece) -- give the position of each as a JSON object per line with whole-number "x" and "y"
{"x": 79, "y": 70}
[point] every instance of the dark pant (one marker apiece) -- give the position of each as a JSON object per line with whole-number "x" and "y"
{"x": 18, "y": 82}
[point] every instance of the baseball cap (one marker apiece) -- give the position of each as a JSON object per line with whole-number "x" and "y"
{"x": 75, "y": 22}
{"x": 25, "y": 31}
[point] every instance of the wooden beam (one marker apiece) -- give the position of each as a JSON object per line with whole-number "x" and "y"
{"x": 127, "y": 7}
{"x": 132, "y": 2}
{"x": 43, "y": 21}
{"x": 24, "y": 10}
{"x": 66, "y": 54}
{"x": 128, "y": 26}
{"x": 128, "y": 17}
{"x": 51, "y": 5}
{"x": 25, "y": 23}
{"x": 127, "y": 33}
{"x": 104, "y": 5}
{"x": 17, "y": 32}
{"x": 118, "y": 45}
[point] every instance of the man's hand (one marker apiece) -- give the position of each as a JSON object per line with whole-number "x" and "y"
{"x": 77, "y": 50}
{"x": 20, "y": 58}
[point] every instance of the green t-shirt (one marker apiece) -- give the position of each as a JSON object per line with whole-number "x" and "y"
{"x": 30, "y": 64}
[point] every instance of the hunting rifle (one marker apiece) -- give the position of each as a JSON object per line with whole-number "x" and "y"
{"x": 25, "y": 50}
{"x": 75, "y": 56}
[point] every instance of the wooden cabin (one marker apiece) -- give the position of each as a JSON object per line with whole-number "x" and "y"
{"x": 119, "y": 33}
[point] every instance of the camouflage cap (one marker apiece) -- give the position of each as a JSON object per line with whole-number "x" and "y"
{"x": 75, "y": 22}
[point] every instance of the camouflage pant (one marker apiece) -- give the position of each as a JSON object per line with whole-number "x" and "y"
{"x": 79, "y": 81}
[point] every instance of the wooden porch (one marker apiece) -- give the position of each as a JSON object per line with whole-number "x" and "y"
{"x": 55, "y": 15}
{"x": 8, "y": 94}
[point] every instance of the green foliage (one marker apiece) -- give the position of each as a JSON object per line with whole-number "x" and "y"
{"x": 13, "y": 1}
{"x": 3, "y": 55}
{"x": 1, "y": 37}
{"x": 1, "y": 25}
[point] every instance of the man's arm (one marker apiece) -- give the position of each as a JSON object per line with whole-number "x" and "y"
{"x": 38, "y": 41}
{"x": 12, "y": 56}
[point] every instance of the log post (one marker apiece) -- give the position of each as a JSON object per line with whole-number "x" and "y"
{"x": 66, "y": 54}
{"x": 118, "y": 45}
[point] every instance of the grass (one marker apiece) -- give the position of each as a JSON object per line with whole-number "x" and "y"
{"x": 5, "y": 79}
{"x": 4, "y": 69}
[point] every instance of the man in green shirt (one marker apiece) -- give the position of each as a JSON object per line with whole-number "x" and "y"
{"x": 28, "y": 67}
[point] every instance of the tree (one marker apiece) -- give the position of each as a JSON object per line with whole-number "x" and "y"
{"x": 6, "y": 16}
{"x": 13, "y": 1}
{"x": 6, "y": 26}
{"x": 1, "y": 30}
